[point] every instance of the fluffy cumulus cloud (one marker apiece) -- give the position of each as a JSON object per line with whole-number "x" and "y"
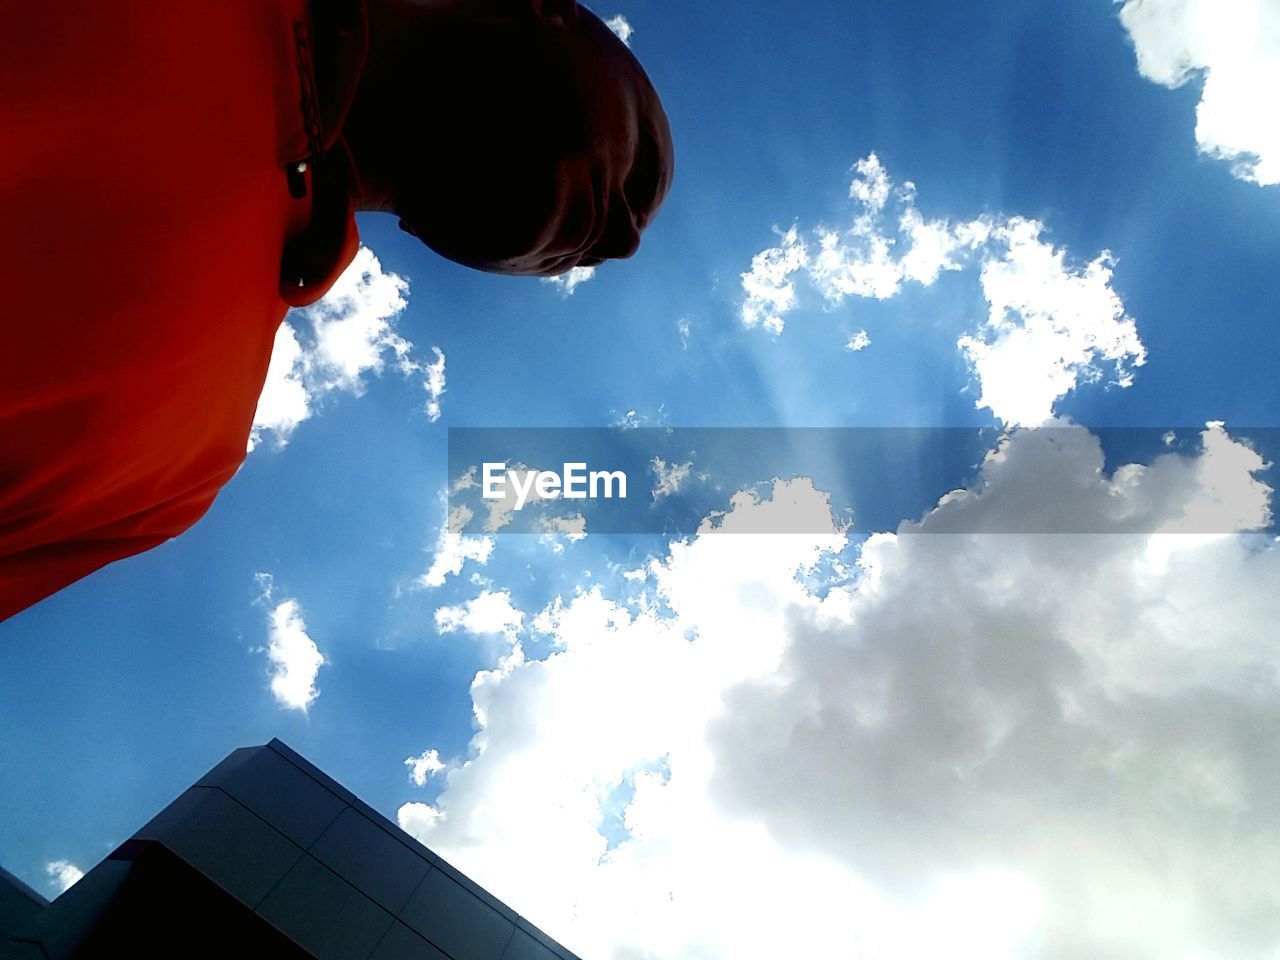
{"x": 1050, "y": 327}
{"x": 347, "y": 337}
{"x": 293, "y": 657}
{"x": 1233, "y": 47}
{"x": 1052, "y": 323}
{"x": 63, "y": 875}
{"x": 972, "y": 744}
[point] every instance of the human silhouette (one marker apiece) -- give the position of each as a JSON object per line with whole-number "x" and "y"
{"x": 174, "y": 176}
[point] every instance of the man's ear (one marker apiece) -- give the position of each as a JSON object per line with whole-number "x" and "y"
{"x": 315, "y": 258}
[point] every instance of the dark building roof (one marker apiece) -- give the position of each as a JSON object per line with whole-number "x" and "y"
{"x": 267, "y": 856}
{"x": 18, "y": 902}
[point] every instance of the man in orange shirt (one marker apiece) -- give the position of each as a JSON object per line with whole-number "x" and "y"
{"x": 173, "y": 177}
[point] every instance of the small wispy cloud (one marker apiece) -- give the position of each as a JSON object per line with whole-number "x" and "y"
{"x": 769, "y": 285}
{"x": 426, "y": 764}
{"x": 684, "y": 327}
{"x": 294, "y": 659}
{"x": 557, "y": 529}
{"x": 635, "y": 418}
{"x": 621, "y": 27}
{"x": 859, "y": 341}
{"x": 488, "y": 614}
{"x": 568, "y": 282}
{"x": 453, "y": 548}
{"x": 668, "y": 478}
{"x": 63, "y": 874}
{"x": 433, "y": 382}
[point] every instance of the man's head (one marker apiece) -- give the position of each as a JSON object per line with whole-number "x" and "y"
{"x": 514, "y": 136}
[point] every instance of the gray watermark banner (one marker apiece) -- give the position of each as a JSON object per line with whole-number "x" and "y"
{"x": 690, "y": 480}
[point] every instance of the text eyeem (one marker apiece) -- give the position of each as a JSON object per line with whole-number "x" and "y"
{"x": 575, "y": 482}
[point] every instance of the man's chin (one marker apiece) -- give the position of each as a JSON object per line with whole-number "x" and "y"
{"x": 521, "y": 265}
{"x": 538, "y": 266}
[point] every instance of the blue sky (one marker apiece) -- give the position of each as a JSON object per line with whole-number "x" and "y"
{"x": 121, "y": 690}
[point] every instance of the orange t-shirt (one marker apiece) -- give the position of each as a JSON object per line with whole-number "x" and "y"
{"x": 144, "y": 208}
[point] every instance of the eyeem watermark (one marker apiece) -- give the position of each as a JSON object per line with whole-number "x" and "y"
{"x": 682, "y": 481}
{"x": 575, "y": 482}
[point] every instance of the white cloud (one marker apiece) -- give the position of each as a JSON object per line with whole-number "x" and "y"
{"x": 417, "y": 818}
{"x": 1050, "y": 481}
{"x": 354, "y": 332}
{"x": 769, "y": 287}
{"x": 433, "y": 383}
{"x": 350, "y": 336}
{"x": 427, "y": 764}
{"x": 791, "y": 507}
{"x": 860, "y": 261}
{"x": 619, "y": 25}
{"x": 634, "y": 419}
{"x": 453, "y": 548}
{"x": 684, "y": 327}
{"x": 1051, "y": 325}
{"x": 668, "y": 478}
{"x": 569, "y": 281}
{"x": 517, "y": 493}
{"x": 501, "y": 510}
{"x": 859, "y": 341}
{"x": 1234, "y": 47}
{"x": 488, "y": 614}
{"x": 284, "y": 402}
{"x": 986, "y": 746}
{"x": 294, "y": 658}
{"x": 572, "y": 527}
{"x": 63, "y": 875}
